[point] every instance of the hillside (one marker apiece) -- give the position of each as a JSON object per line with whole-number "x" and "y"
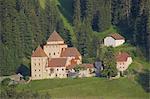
{"x": 27, "y": 24}
{"x": 89, "y": 88}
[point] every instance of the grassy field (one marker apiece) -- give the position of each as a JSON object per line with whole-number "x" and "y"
{"x": 88, "y": 88}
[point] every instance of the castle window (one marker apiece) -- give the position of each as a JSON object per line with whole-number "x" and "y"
{"x": 39, "y": 69}
{"x": 39, "y": 63}
{"x": 49, "y": 54}
{"x": 56, "y": 75}
{"x": 35, "y": 69}
{"x": 54, "y": 53}
{"x": 62, "y": 69}
{"x": 57, "y": 69}
{"x": 39, "y": 75}
{"x": 58, "y": 52}
{"x": 35, "y": 75}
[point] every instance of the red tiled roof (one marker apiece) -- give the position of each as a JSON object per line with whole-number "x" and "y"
{"x": 39, "y": 52}
{"x": 57, "y": 62}
{"x": 70, "y": 52}
{"x": 71, "y": 66}
{"x": 82, "y": 65}
{"x": 88, "y": 65}
{"x": 117, "y": 36}
{"x": 73, "y": 63}
{"x": 122, "y": 57}
{"x": 55, "y": 37}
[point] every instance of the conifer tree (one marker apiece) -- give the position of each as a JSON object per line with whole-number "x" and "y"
{"x": 77, "y": 13}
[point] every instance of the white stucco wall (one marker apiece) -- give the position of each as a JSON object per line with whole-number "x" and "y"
{"x": 58, "y": 72}
{"x": 54, "y": 51}
{"x": 38, "y": 65}
{"x": 109, "y": 41}
{"x": 86, "y": 72}
{"x": 55, "y": 42}
{"x": 119, "y": 42}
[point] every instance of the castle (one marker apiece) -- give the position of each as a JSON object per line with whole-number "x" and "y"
{"x": 54, "y": 59}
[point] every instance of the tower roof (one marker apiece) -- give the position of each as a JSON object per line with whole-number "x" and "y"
{"x": 55, "y": 37}
{"x": 39, "y": 52}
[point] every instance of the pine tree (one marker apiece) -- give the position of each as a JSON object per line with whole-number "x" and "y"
{"x": 77, "y": 13}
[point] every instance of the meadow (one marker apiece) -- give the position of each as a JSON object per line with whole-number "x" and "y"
{"x": 88, "y": 88}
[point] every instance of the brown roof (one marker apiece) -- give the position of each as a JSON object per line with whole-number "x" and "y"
{"x": 39, "y": 52}
{"x": 70, "y": 52}
{"x": 122, "y": 57}
{"x": 82, "y": 65}
{"x": 88, "y": 65}
{"x": 55, "y": 37}
{"x": 57, "y": 62}
{"x": 117, "y": 36}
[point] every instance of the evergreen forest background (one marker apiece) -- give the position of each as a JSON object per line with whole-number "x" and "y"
{"x": 25, "y": 24}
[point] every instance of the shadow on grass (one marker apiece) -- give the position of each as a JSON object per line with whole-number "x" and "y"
{"x": 144, "y": 80}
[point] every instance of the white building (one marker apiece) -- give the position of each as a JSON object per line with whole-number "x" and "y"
{"x": 114, "y": 40}
{"x": 52, "y": 59}
{"x": 123, "y": 61}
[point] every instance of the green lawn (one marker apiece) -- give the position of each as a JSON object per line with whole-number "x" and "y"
{"x": 88, "y": 88}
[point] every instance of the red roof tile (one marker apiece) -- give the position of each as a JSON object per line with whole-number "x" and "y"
{"x": 70, "y": 52}
{"x": 117, "y": 36}
{"x": 55, "y": 37}
{"x": 73, "y": 63}
{"x": 88, "y": 65}
{"x": 39, "y": 52}
{"x": 57, "y": 62}
{"x": 82, "y": 65}
{"x": 122, "y": 57}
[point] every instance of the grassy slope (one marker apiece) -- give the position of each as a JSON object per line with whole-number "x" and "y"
{"x": 89, "y": 88}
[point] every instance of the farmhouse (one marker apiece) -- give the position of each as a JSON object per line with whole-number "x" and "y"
{"x": 123, "y": 61}
{"x": 53, "y": 59}
{"x": 114, "y": 40}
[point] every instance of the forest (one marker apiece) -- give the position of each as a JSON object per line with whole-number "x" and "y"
{"x": 25, "y": 24}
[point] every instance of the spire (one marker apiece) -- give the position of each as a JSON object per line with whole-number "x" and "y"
{"x": 54, "y": 37}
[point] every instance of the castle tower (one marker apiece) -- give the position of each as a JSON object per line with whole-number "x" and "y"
{"x": 39, "y": 61}
{"x": 55, "y": 44}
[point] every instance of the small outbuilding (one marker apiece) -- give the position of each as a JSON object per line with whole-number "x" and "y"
{"x": 114, "y": 40}
{"x": 123, "y": 61}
